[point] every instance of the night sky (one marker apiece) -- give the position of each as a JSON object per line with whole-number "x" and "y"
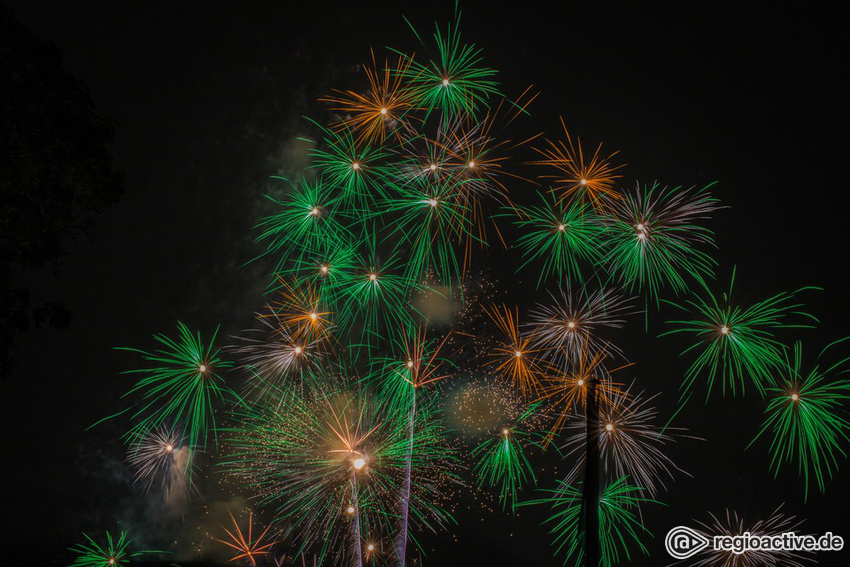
{"x": 207, "y": 99}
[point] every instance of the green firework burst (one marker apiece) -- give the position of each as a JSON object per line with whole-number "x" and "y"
{"x": 806, "y": 418}
{"x": 620, "y": 525}
{"x": 180, "y": 386}
{"x": 301, "y": 223}
{"x": 455, "y": 82}
{"x": 501, "y": 460}
{"x": 355, "y": 170}
{"x": 733, "y": 343}
{"x": 431, "y": 221}
{"x": 114, "y": 552}
{"x": 561, "y": 235}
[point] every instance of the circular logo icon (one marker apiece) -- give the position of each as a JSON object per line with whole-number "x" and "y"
{"x": 683, "y": 542}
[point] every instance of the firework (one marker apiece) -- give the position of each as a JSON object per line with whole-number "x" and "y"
{"x": 302, "y": 221}
{"x": 565, "y": 391}
{"x": 732, "y": 525}
{"x": 631, "y": 443}
{"x": 162, "y": 455}
{"x": 733, "y": 343}
{"x": 331, "y": 268}
{"x": 455, "y": 82}
{"x": 244, "y": 544}
{"x": 805, "y": 417}
{"x": 376, "y": 296}
{"x": 399, "y": 380}
{"x": 619, "y": 523}
{"x": 330, "y": 465}
{"x": 652, "y": 236}
{"x": 513, "y": 356}
{"x": 180, "y": 386}
{"x": 354, "y": 170}
{"x": 430, "y": 221}
{"x": 378, "y": 113}
{"x": 574, "y": 321}
{"x": 113, "y": 553}
{"x": 501, "y": 459}
{"x": 278, "y": 352}
{"x": 559, "y": 235}
{"x": 577, "y": 178}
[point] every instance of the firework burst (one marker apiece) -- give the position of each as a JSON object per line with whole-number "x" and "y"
{"x": 620, "y": 525}
{"x": 652, "y": 236}
{"x": 243, "y": 543}
{"x": 454, "y": 82}
{"x": 560, "y": 236}
{"x": 113, "y": 553}
{"x": 513, "y": 356}
{"x": 731, "y": 525}
{"x": 631, "y": 442}
{"x": 574, "y": 322}
{"x": 162, "y": 455}
{"x": 805, "y": 418}
{"x": 575, "y": 176}
{"x": 180, "y": 386}
{"x": 379, "y": 112}
{"x": 501, "y": 459}
{"x": 733, "y": 343}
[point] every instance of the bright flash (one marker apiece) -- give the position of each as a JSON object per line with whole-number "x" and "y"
{"x": 371, "y": 547}
{"x": 724, "y": 329}
{"x": 445, "y": 82}
{"x": 373, "y": 277}
{"x": 584, "y": 181}
{"x": 314, "y": 316}
{"x": 580, "y": 382}
{"x": 355, "y": 165}
{"x": 505, "y": 432}
{"x": 383, "y": 111}
{"x": 433, "y": 167}
{"x": 562, "y": 227}
{"x": 471, "y": 163}
{"x": 795, "y": 397}
{"x": 169, "y": 448}
{"x": 359, "y": 463}
{"x": 315, "y": 211}
{"x": 298, "y": 350}
{"x": 350, "y": 509}
{"x": 432, "y": 202}
{"x": 571, "y": 324}
{"x": 324, "y": 269}
{"x": 641, "y": 236}
{"x": 202, "y": 368}
{"x": 640, "y": 226}
{"x": 410, "y": 364}
{"x": 519, "y": 354}
{"x": 609, "y": 427}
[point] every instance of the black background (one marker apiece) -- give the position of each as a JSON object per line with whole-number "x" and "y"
{"x": 207, "y": 99}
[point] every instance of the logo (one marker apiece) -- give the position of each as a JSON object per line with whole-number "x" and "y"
{"x": 683, "y": 542}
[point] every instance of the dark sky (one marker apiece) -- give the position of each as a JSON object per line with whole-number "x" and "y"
{"x": 207, "y": 99}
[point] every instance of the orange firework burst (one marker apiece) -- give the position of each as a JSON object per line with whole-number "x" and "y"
{"x": 245, "y": 545}
{"x": 513, "y": 355}
{"x": 376, "y": 114}
{"x": 423, "y": 365}
{"x": 299, "y": 308}
{"x": 569, "y": 389}
{"x": 575, "y": 176}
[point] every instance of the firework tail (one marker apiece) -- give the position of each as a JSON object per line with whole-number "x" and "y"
{"x": 401, "y": 538}
{"x": 358, "y": 552}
